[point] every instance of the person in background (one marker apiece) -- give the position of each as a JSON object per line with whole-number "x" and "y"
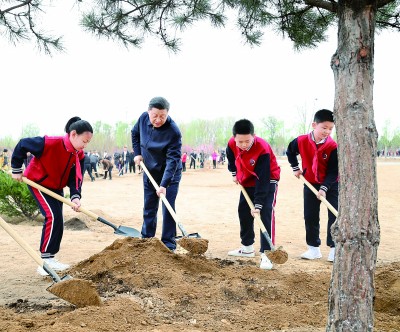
{"x": 87, "y": 167}
{"x": 117, "y": 161}
{"x": 57, "y": 163}
{"x": 319, "y": 166}
{"x": 125, "y": 160}
{"x": 193, "y": 157}
{"x": 94, "y": 160}
{"x": 2, "y": 159}
{"x": 107, "y": 167}
{"x": 253, "y": 164}
{"x": 184, "y": 159}
{"x": 132, "y": 166}
{"x": 202, "y": 159}
{"x": 4, "y": 163}
{"x": 157, "y": 142}
{"x": 214, "y": 157}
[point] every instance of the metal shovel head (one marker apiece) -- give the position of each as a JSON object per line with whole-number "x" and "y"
{"x": 277, "y": 256}
{"x": 79, "y": 292}
{"x": 194, "y": 245}
{"x": 191, "y": 235}
{"x": 127, "y": 231}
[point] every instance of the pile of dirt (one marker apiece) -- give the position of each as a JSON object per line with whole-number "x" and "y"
{"x": 75, "y": 224}
{"x": 146, "y": 287}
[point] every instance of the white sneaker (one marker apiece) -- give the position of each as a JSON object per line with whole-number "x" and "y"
{"x": 55, "y": 264}
{"x": 244, "y": 251}
{"x": 41, "y": 271}
{"x": 312, "y": 253}
{"x": 331, "y": 255}
{"x": 265, "y": 263}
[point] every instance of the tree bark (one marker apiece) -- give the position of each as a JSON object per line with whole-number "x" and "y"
{"x": 356, "y": 232}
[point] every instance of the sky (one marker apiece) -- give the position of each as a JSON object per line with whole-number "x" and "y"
{"x": 214, "y": 75}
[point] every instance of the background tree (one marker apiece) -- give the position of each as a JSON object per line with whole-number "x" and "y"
{"x": 103, "y": 137}
{"x": 19, "y": 20}
{"x": 30, "y": 130}
{"x": 271, "y": 127}
{"x": 16, "y": 199}
{"x": 304, "y": 117}
{"x": 7, "y": 142}
{"x": 122, "y": 135}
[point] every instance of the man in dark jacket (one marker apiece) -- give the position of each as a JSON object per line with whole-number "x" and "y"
{"x": 157, "y": 141}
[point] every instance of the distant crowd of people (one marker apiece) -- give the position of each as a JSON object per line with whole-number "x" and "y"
{"x": 389, "y": 153}
{"x": 203, "y": 160}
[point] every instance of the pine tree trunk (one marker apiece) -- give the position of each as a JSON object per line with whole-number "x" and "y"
{"x": 356, "y": 231}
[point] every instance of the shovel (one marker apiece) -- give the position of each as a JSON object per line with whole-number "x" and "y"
{"x": 191, "y": 242}
{"x": 278, "y": 256}
{"x": 80, "y": 293}
{"x": 323, "y": 199}
{"x": 120, "y": 230}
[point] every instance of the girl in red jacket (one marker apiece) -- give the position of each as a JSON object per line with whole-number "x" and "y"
{"x": 57, "y": 162}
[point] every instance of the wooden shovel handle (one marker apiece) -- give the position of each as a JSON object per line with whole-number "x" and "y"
{"x": 162, "y": 196}
{"x": 257, "y": 217}
{"x": 323, "y": 199}
{"x": 58, "y": 197}
{"x": 29, "y": 250}
{"x": 21, "y": 242}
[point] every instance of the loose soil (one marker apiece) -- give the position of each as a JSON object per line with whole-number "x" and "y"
{"x": 145, "y": 287}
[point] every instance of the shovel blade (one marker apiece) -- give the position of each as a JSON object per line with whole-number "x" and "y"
{"x": 127, "y": 231}
{"x": 191, "y": 236}
{"x": 78, "y": 292}
{"x": 278, "y": 256}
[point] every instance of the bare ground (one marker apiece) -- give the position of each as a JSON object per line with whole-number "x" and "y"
{"x": 144, "y": 287}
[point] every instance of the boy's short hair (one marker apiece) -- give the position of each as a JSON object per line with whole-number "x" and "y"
{"x": 243, "y": 127}
{"x": 323, "y": 115}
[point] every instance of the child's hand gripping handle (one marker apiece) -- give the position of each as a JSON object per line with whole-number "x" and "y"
{"x": 323, "y": 199}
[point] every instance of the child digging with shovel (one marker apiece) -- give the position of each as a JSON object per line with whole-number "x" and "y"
{"x": 319, "y": 166}
{"x": 57, "y": 163}
{"x": 253, "y": 165}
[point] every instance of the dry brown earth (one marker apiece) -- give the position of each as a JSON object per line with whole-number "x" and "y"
{"x": 144, "y": 287}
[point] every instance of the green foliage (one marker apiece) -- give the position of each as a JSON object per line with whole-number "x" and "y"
{"x": 16, "y": 199}
{"x": 20, "y": 20}
{"x": 389, "y": 139}
{"x": 122, "y": 134}
{"x": 7, "y": 142}
{"x": 305, "y": 22}
{"x": 30, "y": 130}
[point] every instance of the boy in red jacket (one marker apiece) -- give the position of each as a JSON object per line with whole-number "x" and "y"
{"x": 319, "y": 161}
{"x": 253, "y": 164}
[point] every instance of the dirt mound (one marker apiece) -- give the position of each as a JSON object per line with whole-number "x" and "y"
{"x": 146, "y": 287}
{"x": 75, "y": 224}
{"x": 80, "y": 293}
{"x": 387, "y": 297}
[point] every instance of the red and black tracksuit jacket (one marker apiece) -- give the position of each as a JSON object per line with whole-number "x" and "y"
{"x": 257, "y": 170}
{"x": 320, "y": 168}
{"x": 53, "y": 167}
